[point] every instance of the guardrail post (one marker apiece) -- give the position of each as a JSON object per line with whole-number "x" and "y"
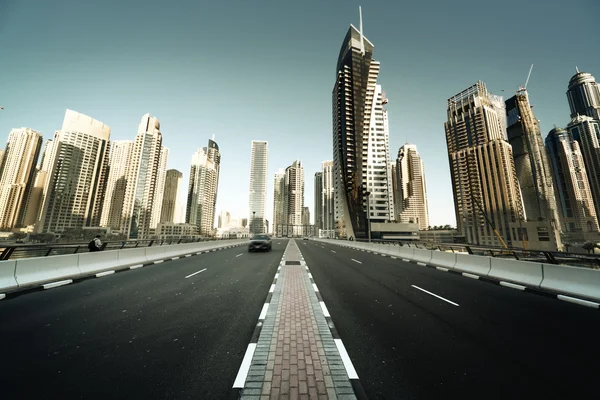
{"x": 550, "y": 257}
{"x": 469, "y": 250}
{"x": 48, "y": 252}
{"x": 515, "y": 254}
{"x": 492, "y": 253}
{"x": 76, "y": 249}
{"x": 151, "y": 242}
{"x": 7, "y": 253}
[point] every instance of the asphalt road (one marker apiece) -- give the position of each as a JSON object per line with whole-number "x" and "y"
{"x": 149, "y": 333}
{"x": 492, "y": 343}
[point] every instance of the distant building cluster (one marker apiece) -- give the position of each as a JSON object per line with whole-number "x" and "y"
{"x": 83, "y": 180}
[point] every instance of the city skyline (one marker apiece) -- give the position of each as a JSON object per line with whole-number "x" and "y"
{"x": 138, "y": 74}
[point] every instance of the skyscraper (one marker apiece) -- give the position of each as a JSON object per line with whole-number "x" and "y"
{"x": 18, "y": 173}
{"x": 586, "y": 131}
{"x": 573, "y": 190}
{"x": 142, "y": 179}
{"x": 327, "y": 195}
{"x": 294, "y": 193}
{"x": 258, "y": 186}
{"x": 318, "y": 190}
{"x": 484, "y": 180}
{"x": 411, "y": 192}
{"x": 532, "y": 166}
{"x": 202, "y": 189}
{"x": 279, "y": 202}
{"x": 1, "y": 160}
{"x": 112, "y": 210}
{"x": 41, "y": 185}
{"x": 305, "y": 216}
{"x": 173, "y": 184}
{"x": 160, "y": 187}
{"x": 360, "y": 139}
{"x": 74, "y": 192}
{"x": 584, "y": 95}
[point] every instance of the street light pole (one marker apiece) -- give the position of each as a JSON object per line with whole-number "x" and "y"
{"x": 253, "y": 221}
{"x": 369, "y": 214}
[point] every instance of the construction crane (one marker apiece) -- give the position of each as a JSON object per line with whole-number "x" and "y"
{"x": 490, "y": 223}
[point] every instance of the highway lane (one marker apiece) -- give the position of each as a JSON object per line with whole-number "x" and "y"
{"x": 164, "y": 331}
{"x": 496, "y": 342}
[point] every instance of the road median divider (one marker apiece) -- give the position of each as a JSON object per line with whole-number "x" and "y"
{"x": 34, "y": 271}
{"x": 524, "y": 272}
{"x": 572, "y": 280}
{"x": 7, "y": 275}
{"x": 443, "y": 259}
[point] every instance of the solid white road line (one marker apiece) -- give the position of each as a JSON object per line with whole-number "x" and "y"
{"x": 100, "y": 274}
{"x": 333, "y": 251}
{"x": 470, "y": 275}
{"x": 263, "y": 312}
{"x": 578, "y": 301}
{"x": 315, "y": 287}
{"x": 324, "y": 308}
{"x": 356, "y": 261}
{"x": 421, "y": 264}
{"x": 57, "y": 284}
{"x": 202, "y": 270}
{"x": 241, "y": 254}
{"x": 346, "y": 359}
{"x": 136, "y": 266}
{"x": 435, "y": 295}
{"x": 2, "y": 295}
{"x": 158, "y": 261}
{"x": 442, "y": 269}
{"x": 242, "y": 374}
{"x": 512, "y": 285}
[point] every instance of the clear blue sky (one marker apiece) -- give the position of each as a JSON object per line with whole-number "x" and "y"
{"x": 264, "y": 70}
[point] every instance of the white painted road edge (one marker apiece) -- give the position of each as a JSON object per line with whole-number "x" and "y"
{"x": 315, "y": 287}
{"x": 263, "y": 312}
{"x": 175, "y": 258}
{"x": 435, "y": 295}
{"x": 272, "y": 289}
{"x": 421, "y": 263}
{"x": 512, "y": 285}
{"x": 136, "y": 266}
{"x": 158, "y": 261}
{"x": 57, "y": 284}
{"x": 333, "y": 251}
{"x": 442, "y": 269}
{"x": 2, "y": 295}
{"x": 356, "y": 261}
{"x": 578, "y": 301}
{"x": 346, "y": 359}
{"x": 101, "y": 274}
{"x": 325, "y": 310}
{"x": 241, "y": 254}
{"x": 195, "y": 273}
{"x": 242, "y": 374}
{"x": 470, "y": 275}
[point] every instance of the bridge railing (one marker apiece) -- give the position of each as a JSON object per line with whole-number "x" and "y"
{"x": 548, "y": 257}
{"x": 17, "y": 251}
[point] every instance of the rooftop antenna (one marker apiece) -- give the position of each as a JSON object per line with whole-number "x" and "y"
{"x": 528, "y": 75}
{"x": 576, "y": 69}
{"x": 213, "y": 139}
{"x": 362, "y": 39}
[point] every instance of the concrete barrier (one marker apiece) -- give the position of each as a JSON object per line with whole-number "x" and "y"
{"x": 572, "y": 280}
{"x": 155, "y": 253}
{"x": 32, "y": 271}
{"x": 7, "y": 275}
{"x": 406, "y": 252}
{"x": 479, "y": 265}
{"x": 129, "y": 257}
{"x": 98, "y": 261}
{"x": 443, "y": 259}
{"x": 524, "y": 272}
{"x": 422, "y": 256}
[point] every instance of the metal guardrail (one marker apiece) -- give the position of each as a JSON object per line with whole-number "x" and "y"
{"x": 16, "y": 251}
{"x": 549, "y": 257}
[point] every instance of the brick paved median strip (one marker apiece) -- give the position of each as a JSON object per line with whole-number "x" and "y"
{"x": 296, "y": 356}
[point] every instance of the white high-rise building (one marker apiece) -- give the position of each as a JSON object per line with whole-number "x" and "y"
{"x": 327, "y": 201}
{"x": 142, "y": 179}
{"x": 294, "y": 193}
{"x": 258, "y": 186}
{"x": 202, "y": 189}
{"x": 279, "y": 202}
{"x": 160, "y": 187}
{"x": 112, "y": 210}
{"x": 17, "y": 177}
{"x": 411, "y": 192}
{"x": 73, "y": 194}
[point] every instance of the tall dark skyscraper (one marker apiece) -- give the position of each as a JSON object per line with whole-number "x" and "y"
{"x": 584, "y": 95}
{"x": 532, "y": 167}
{"x": 360, "y": 140}
{"x": 318, "y": 210}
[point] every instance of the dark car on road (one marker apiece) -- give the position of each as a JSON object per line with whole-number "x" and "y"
{"x": 260, "y": 242}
